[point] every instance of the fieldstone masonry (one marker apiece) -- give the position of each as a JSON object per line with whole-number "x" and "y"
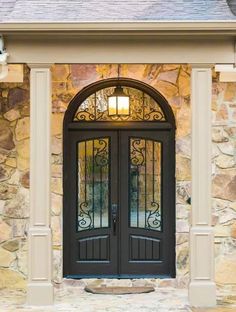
{"x": 173, "y": 81}
{"x": 14, "y": 184}
{"x": 224, "y": 182}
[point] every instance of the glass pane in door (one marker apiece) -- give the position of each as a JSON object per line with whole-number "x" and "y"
{"x": 93, "y": 184}
{"x": 145, "y": 184}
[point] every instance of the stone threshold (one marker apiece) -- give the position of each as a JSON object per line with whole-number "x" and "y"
{"x": 225, "y": 300}
{"x": 114, "y": 282}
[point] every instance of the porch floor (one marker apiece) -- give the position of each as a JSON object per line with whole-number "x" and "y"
{"x": 72, "y": 297}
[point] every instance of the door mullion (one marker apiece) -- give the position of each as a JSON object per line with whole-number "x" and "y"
{"x": 118, "y": 166}
{"x": 114, "y": 199}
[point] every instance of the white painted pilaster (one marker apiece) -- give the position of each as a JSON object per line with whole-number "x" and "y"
{"x": 40, "y": 288}
{"x": 202, "y": 290}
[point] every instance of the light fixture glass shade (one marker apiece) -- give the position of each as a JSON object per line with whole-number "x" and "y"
{"x": 118, "y": 103}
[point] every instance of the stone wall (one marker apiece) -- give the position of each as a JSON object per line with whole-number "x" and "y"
{"x": 224, "y": 182}
{"x": 14, "y": 181}
{"x": 173, "y": 81}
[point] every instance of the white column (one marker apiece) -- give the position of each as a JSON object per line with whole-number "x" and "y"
{"x": 202, "y": 290}
{"x": 40, "y": 288}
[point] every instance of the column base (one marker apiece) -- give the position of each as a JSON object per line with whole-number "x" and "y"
{"x": 202, "y": 294}
{"x": 40, "y": 294}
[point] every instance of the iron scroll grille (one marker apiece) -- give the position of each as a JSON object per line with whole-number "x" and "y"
{"x": 145, "y": 184}
{"x": 142, "y": 107}
{"x": 93, "y": 183}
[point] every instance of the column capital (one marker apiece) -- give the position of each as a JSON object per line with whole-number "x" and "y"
{"x": 201, "y": 65}
{"x": 39, "y": 65}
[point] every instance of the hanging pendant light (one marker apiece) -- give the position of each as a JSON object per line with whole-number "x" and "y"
{"x": 118, "y": 102}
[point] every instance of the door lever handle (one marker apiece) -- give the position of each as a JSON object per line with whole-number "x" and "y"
{"x": 114, "y": 217}
{"x": 114, "y": 226}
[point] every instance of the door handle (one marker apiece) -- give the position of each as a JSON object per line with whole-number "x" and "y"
{"x": 114, "y": 217}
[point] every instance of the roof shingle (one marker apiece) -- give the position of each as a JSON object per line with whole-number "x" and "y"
{"x": 112, "y": 10}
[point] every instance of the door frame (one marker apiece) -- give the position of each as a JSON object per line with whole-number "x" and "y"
{"x": 70, "y": 126}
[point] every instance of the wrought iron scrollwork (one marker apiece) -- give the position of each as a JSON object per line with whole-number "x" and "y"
{"x": 142, "y": 107}
{"x": 153, "y": 220}
{"x": 101, "y": 153}
{"x": 85, "y": 116}
{"x": 154, "y": 116}
{"x": 86, "y": 111}
{"x": 152, "y": 112}
{"x": 85, "y": 220}
{"x": 93, "y": 183}
{"x": 145, "y": 195}
{"x": 137, "y": 156}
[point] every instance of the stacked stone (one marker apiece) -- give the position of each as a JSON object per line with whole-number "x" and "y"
{"x": 14, "y": 181}
{"x": 224, "y": 182}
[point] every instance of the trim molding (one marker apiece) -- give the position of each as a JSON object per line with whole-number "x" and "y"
{"x": 46, "y": 48}
{"x": 139, "y": 27}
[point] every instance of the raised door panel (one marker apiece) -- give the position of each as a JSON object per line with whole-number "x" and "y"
{"x": 144, "y": 248}
{"x": 95, "y": 248}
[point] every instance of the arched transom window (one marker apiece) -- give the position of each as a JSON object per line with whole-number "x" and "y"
{"x": 142, "y": 107}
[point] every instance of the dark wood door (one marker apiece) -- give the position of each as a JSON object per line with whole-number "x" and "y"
{"x": 90, "y": 185}
{"x": 147, "y": 202}
{"x": 119, "y": 203}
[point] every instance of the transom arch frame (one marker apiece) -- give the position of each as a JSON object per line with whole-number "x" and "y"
{"x": 87, "y": 91}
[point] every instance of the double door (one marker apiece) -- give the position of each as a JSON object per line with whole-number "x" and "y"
{"x": 119, "y": 203}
